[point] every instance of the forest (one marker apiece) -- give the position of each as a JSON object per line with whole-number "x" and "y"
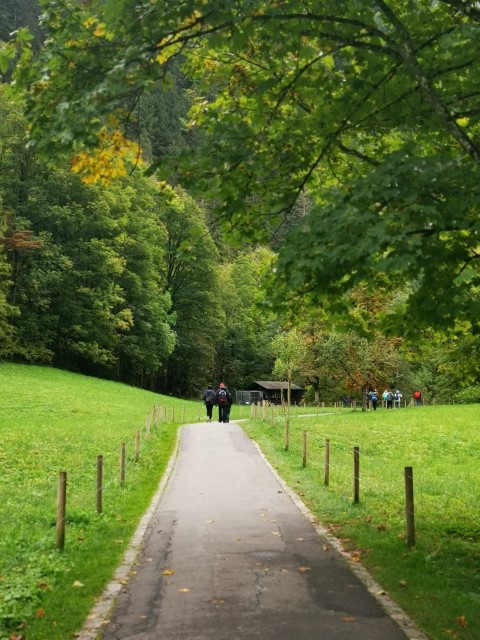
{"x": 164, "y": 251}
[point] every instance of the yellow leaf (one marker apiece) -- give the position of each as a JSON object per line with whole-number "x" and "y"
{"x": 77, "y": 584}
{"x": 184, "y": 590}
{"x": 304, "y": 569}
{"x": 168, "y": 572}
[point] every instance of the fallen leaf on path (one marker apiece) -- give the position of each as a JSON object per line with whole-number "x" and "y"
{"x": 276, "y": 533}
{"x": 217, "y": 601}
{"x": 168, "y": 572}
{"x": 184, "y": 590}
{"x": 326, "y": 547}
{"x": 348, "y": 619}
{"x": 356, "y": 557}
{"x": 304, "y": 569}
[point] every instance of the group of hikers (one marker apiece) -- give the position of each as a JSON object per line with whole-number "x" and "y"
{"x": 391, "y": 399}
{"x": 222, "y": 398}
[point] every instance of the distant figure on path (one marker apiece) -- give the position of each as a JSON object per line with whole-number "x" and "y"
{"x": 390, "y": 400}
{"x": 209, "y": 400}
{"x": 374, "y": 399}
{"x": 223, "y": 398}
{"x": 385, "y": 398}
{"x": 417, "y": 396}
{"x": 398, "y": 399}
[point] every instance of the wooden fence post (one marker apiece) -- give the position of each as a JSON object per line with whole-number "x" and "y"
{"x": 61, "y": 509}
{"x": 122, "y": 463}
{"x": 304, "y": 462}
{"x": 409, "y": 506}
{"x": 137, "y": 446}
{"x": 287, "y": 434}
{"x": 326, "y": 468}
{"x": 99, "y": 484}
{"x": 356, "y": 475}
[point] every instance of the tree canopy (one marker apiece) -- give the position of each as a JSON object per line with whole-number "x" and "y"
{"x": 371, "y": 108}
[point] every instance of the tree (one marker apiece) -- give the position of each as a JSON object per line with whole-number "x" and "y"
{"x": 373, "y": 109}
{"x": 289, "y": 349}
{"x": 192, "y": 281}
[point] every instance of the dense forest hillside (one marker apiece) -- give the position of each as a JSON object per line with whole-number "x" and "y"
{"x": 133, "y": 280}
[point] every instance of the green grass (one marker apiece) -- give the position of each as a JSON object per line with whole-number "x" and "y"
{"x": 438, "y": 581}
{"x": 53, "y": 421}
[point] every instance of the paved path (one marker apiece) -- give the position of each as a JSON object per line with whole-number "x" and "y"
{"x": 228, "y": 555}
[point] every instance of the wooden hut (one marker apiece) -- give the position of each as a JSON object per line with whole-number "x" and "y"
{"x": 274, "y": 391}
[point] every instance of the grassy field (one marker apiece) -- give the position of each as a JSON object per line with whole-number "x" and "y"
{"x": 438, "y": 580}
{"x": 53, "y": 421}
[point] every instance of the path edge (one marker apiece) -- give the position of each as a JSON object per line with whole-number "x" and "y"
{"x": 101, "y": 610}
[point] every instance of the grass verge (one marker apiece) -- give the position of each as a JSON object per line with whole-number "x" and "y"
{"x": 438, "y": 580}
{"x": 53, "y": 421}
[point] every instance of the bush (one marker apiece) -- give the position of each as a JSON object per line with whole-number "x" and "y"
{"x": 468, "y": 395}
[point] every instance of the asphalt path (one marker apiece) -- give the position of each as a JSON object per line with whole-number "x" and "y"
{"x": 227, "y": 554}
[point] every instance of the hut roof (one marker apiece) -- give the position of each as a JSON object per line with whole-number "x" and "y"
{"x": 271, "y": 385}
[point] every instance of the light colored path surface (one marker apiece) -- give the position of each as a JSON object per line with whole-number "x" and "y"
{"x": 244, "y": 561}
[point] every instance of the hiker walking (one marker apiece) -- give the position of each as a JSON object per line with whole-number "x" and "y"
{"x": 417, "y": 396}
{"x": 397, "y": 399}
{"x": 385, "y": 398}
{"x": 223, "y": 398}
{"x": 390, "y": 400}
{"x": 209, "y": 400}
{"x": 374, "y": 399}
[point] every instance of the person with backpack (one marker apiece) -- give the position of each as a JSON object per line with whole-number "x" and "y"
{"x": 223, "y": 399}
{"x": 417, "y": 396}
{"x": 373, "y": 395}
{"x": 398, "y": 399}
{"x": 390, "y": 400}
{"x": 209, "y": 400}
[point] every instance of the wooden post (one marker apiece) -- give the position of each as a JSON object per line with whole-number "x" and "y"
{"x": 409, "y": 506}
{"x": 61, "y": 509}
{"x": 272, "y": 411}
{"x": 147, "y": 425}
{"x": 304, "y": 462}
{"x": 122, "y": 463}
{"x": 173, "y": 414}
{"x": 356, "y": 475}
{"x": 326, "y": 468}
{"x": 287, "y": 434}
{"x": 99, "y": 484}
{"x": 137, "y": 446}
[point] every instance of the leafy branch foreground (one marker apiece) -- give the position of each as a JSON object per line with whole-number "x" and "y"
{"x": 438, "y": 581}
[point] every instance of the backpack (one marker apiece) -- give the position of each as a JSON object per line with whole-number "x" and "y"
{"x": 390, "y": 396}
{"x": 417, "y": 395}
{"x": 222, "y": 396}
{"x": 374, "y": 397}
{"x": 210, "y": 395}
